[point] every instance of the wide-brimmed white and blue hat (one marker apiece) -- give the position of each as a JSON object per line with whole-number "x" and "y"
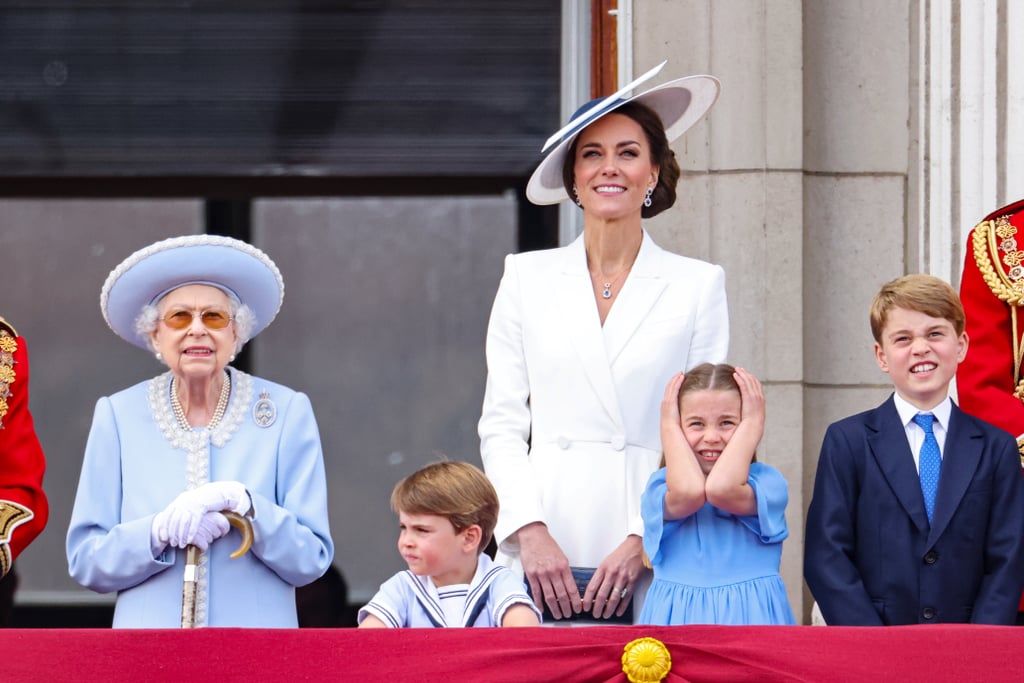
{"x": 241, "y": 270}
{"x": 679, "y": 104}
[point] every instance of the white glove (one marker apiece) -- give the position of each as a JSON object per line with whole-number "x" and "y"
{"x": 212, "y": 526}
{"x": 179, "y": 523}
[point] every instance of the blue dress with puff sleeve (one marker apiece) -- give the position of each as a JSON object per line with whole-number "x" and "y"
{"x": 715, "y": 567}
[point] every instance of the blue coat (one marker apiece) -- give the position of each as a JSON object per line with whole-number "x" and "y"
{"x": 870, "y": 557}
{"x": 133, "y": 469}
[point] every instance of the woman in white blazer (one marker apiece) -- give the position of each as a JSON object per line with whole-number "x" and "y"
{"x": 581, "y": 343}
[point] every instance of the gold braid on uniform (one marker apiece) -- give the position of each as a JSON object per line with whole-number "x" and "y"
{"x": 11, "y": 515}
{"x": 8, "y": 345}
{"x": 1004, "y": 275}
{"x": 5, "y": 560}
{"x": 1007, "y": 286}
{"x": 990, "y": 238}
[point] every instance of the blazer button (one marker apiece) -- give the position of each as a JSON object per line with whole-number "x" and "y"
{"x": 618, "y": 442}
{"x": 931, "y": 557}
{"x": 563, "y": 442}
{"x": 928, "y": 613}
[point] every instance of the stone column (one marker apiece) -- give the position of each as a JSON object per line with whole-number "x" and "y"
{"x": 741, "y": 200}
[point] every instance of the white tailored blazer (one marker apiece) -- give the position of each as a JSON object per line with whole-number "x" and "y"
{"x": 570, "y": 428}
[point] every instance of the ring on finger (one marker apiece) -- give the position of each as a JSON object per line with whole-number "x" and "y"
{"x": 623, "y": 593}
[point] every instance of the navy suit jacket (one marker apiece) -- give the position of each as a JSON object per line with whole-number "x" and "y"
{"x": 870, "y": 556}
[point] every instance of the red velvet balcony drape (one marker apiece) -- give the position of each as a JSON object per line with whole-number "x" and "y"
{"x": 699, "y": 653}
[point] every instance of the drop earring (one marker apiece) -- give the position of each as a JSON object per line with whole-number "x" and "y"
{"x": 159, "y": 357}
{"x": 576, "y": 197}
{"x": 647, "y": 199}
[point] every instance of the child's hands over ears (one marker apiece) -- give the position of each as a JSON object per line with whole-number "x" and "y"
{"x": 727, "y": 485}
{"x": 752, "y": 396}
{"x": 683, "y": 477}
{"x": 671, "y": 430}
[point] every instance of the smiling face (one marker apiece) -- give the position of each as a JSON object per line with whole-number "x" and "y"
{"x": 921, "y": 354}
{"x": 709, "y": 417}
{"x": 194, "y": 350}
{"x": 612, "y": 168}
{"x": 431, "y": 547}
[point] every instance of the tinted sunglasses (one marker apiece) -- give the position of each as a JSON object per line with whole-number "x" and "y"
{"x": 212, "y": 319}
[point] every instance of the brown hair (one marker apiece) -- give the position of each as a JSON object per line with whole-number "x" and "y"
{"x": 918, "y": 292}
{"x": 662, "y": 156}
{"x": 456, "y": 490}
{"x": 709, "y": 377}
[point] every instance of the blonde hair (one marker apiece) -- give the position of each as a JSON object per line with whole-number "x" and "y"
{"x": 918, "y": 292}
{"x": 456, "y": 490}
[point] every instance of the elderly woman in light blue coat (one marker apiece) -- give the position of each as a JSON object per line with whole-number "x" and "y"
{"x": 166, "y": 458}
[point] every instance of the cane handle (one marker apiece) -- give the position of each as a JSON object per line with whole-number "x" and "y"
{"x": 244, "y": 527}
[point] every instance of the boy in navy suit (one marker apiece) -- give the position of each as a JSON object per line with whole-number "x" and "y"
{"x": 917, "y": 515}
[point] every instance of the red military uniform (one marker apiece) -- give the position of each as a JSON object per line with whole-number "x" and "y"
{"x": 23, "y": 506}
{"x": 990, "y": 384}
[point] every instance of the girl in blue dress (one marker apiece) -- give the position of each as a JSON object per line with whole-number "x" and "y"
{"x": 714, "y": 517}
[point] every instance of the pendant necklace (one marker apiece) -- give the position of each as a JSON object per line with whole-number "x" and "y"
{"x": 607, "y": 292}
{"x": 607, "y": 284}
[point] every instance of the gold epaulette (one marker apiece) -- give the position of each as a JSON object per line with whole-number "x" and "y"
{"x": 11, "y": 515}
{"x": 999, "y": 259}
{"x": 8, "y": 345}
{"x": 4, "y": 325}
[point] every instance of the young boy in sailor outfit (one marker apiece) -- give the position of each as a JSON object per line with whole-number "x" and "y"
{"x": 446, "y": 513}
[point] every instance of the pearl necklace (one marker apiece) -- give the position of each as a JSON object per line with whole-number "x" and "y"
{"x": 218, "y": 413}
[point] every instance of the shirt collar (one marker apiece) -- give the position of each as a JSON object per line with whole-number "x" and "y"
{"x": 908, "y": 411}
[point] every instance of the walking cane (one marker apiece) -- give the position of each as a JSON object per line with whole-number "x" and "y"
{"x": 188, "y": 592}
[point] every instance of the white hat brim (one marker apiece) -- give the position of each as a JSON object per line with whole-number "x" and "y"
{"x": 679, "y": 103}
{"x": 237, "y": 267}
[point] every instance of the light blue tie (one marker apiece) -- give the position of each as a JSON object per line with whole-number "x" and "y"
{"x": 929, "y": 462}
